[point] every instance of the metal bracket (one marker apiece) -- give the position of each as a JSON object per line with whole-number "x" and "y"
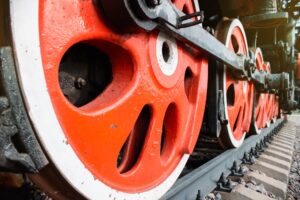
{"x": 248, "y": 159}
{"x": 198, "y": 197}
{"x": 10, "y": 158}
{"x": 236, "y": 170}
{"x": 221, "y": 111}
{"x": 198, "y": 15}
{"x": 19, "y": 148}
{"x": 224, "y": 184}
{"x": 254, "y": 152}
{"x": 259, "y": 147}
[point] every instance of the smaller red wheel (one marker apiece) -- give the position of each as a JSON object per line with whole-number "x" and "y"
{"x": 259, "y": 105}
{"x": 298, "y": 66}
{"x": 237, "y": 94}
{"x": 271, "y": 112}
{"x": 276, "y": 109}
{"x": 269, "y": 100}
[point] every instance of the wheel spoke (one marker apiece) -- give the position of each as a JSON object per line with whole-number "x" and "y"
{"x": 152, "y": 150}
{"x": 235, "y": 111}
{"x": 122, "y": 113}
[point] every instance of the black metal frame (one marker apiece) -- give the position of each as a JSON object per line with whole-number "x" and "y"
{"x": 152, "y": 14}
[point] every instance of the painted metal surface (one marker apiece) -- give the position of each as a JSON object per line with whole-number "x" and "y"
{"x": 298, "y": 66}
{"x": 91, "y": 137}
{"x": 270, "y": 102}
{"x": 238, "y": 94}
{"x": 150, "y": 114}
{"x": 259, "y": 120}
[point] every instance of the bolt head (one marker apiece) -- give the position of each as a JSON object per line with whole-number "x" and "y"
{"x": 153, "y": 3}
{"x": 80, "y": 83}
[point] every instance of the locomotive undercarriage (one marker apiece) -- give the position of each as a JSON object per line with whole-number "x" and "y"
{"x": 228, "y": 67}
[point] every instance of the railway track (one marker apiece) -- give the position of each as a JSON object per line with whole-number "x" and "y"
{"x": 263, "y": 159}
{"x": 97, "y": 105}
{"x": 257, "y": 170}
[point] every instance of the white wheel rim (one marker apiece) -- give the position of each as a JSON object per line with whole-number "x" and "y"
{"x": 235, "y": 143}
{"x": 25, "y": 31}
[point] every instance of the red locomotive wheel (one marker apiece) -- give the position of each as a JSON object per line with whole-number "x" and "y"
{"x": 237, "y": 94}
{"x": 272, "y": 108}
{"x": 271, "y": 111}
{"x": 269, "y": 100}
{"x": 259, "y": 117}
{"x": 117, "y": 115}
{"x": 276, "y": 111}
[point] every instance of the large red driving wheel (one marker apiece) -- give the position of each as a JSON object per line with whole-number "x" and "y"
{"x": 118, "y": 115}
{"x": 237, "y": 94}
{"x": 259, "y": 117}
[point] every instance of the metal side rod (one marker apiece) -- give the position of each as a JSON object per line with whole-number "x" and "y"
{"x": 174, "y": 22}
{"x": 168, "y": 20}
{"x": 161, "y": 14}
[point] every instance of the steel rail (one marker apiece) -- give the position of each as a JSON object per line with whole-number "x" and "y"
{"x": 205, "y": 179}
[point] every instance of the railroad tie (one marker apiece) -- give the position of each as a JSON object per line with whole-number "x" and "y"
{"x": 271, "y": 169}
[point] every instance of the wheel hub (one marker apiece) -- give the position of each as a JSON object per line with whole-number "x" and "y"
{"x": 166, "y": 54}
{"x": 109, "y": 125}
{"x": 164, "y": 58}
